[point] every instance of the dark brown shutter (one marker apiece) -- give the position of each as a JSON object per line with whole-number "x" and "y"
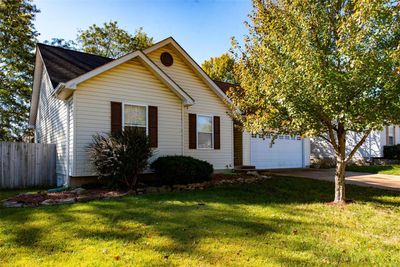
{"x": 153, "y": 126}
{"x": 387, "y": 135}
{"x": 217, "y": 133}
{"x": 192, "y": 131}
{"x": 116, "y": 117}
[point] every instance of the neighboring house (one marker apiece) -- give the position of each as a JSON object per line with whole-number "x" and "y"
{"x": 160, "y": 90}
{"x": 372, "y": 147}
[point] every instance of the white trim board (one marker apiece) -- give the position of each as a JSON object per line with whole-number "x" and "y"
{"x": 186, "y": 98}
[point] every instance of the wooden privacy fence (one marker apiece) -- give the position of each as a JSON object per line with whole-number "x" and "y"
{"x": 27, "y": 165}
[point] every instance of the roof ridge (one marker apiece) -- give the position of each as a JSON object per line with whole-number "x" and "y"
{"x": 236, "y": 84}
{"x": 72, "y": 50}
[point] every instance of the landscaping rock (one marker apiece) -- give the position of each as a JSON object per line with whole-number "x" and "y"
{"x": 254, "y": 173}
{"x": 78, "y": 191}
{"x": 86, "y": 198}
{"x": 164, "y": 189}
{"x": 48, "y": 202}
{"x": 12, "y": 204}
{"x": 151, "y": 189}
{"x": 66, "y": 200}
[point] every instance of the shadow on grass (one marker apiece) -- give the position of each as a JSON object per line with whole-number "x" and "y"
{"x": 248, "y": 214}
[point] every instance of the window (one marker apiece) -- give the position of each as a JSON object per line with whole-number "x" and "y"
{"x": 391, "y": 141}
{"x": 204, "y": 131}
{"x": 390, "y": 135}
{"x": 135, "y": 117}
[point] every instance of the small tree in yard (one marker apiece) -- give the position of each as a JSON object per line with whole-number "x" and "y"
{"x": 320, "y": 68}
{"x": 121, "y": 156}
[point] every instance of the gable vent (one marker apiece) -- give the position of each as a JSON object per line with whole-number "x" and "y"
{"x": 166, "y": 59}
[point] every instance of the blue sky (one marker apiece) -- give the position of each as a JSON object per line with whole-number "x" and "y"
{"x": 202, "y": 27}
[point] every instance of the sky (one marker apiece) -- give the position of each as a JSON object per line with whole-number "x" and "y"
{"x": 202, "y": 27}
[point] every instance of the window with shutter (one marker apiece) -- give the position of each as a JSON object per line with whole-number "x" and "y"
{"x": 204, "y": 132}
{"x": 217, "y": 132}
{"x": 192, "y": 131}
{"x": 135, "y": 116}
{"x": 116, "y": 117}
{"x": 153, "y": 126}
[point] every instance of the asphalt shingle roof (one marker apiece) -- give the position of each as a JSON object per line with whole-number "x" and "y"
{"x": 63, "y": 64}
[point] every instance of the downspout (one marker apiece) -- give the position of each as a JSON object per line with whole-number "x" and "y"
{"x": 183, "y": 129}
{"x": 68, "y": 143}
{"x": 302, "y": 153}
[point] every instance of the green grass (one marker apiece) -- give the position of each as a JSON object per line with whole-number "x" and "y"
{"x": 283, "y": 221}
{"x": 387, "y": 169}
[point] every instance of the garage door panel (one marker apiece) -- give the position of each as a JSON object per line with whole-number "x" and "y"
{"x": 284, "y": 153}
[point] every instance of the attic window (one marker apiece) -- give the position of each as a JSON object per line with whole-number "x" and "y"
{"x": 166, "y": 59}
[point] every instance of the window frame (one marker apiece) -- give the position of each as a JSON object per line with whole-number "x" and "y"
{"x": 391, "y": 140}
{"x": 139, "y": 105}
{"x": 391, "y": 133}
{"x": 197, "y": 131}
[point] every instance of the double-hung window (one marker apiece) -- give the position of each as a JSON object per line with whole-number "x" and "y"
{"x": 135, "y": 116}
{"x": 204, "y": 132}
{"x": 391, "y": 130}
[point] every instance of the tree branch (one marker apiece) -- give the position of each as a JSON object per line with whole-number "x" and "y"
{"x": 326, "y": 139}
{"x": 358, "y": 145}
{"x": 332, "y": 137}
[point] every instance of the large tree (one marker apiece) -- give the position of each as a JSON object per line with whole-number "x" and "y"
{"x": 61, "y": 42}
{"x": 321, "y": 68}
{"x": 17, "y": 43}
{"x": 220, "y": 68}
{"x": 109, "y": 40}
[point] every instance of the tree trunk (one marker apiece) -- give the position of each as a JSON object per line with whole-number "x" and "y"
{"x": 340, "y": 193}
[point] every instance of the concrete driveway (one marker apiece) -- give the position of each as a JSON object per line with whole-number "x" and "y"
{"x": 383, "y": 181}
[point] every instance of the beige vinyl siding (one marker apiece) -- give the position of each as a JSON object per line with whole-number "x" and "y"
{"x": 130, "y": 82}
{"x": 51, "y": 125}
{"x": 71, "y": 135}
{"x": 206, "y": 103}
{"x": 306, "y": 151}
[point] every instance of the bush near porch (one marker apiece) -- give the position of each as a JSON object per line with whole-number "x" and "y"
{"x": 282, "y": 221}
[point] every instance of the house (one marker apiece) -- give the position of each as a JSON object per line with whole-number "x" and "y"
{"x": 160, "y": 90}
{"x": 372, "y": 147}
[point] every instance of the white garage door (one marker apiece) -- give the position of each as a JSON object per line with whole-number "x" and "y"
{"x": 286, "y": 152}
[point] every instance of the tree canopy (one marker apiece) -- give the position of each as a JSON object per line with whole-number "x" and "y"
{"x": 320, "y": 68}
{"x": 61, "y": 42}
{"x": 109, "y": 40}
{"x": 17, "y": 43}
{"x": 220, "y": 68}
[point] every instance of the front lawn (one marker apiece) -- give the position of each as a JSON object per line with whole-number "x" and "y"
{"x": 382, "y": 169}
{"x": 283, "y": 221}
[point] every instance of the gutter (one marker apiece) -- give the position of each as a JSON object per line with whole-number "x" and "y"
{"x": 58, "y": 89}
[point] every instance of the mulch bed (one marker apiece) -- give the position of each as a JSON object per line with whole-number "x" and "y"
{"x": 217, "y": 177}
{"x": 45, "y": 198}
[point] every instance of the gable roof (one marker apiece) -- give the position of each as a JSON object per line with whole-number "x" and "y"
{"x": 67, "y": 68}
{"x": 195, "y": 67}
{"x": 63, "y": 64}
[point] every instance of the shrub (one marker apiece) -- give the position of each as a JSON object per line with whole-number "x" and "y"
{"x": 182, "y": 170}
{"x": 391, "y": 152}
{"x": 121, "y": 157}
